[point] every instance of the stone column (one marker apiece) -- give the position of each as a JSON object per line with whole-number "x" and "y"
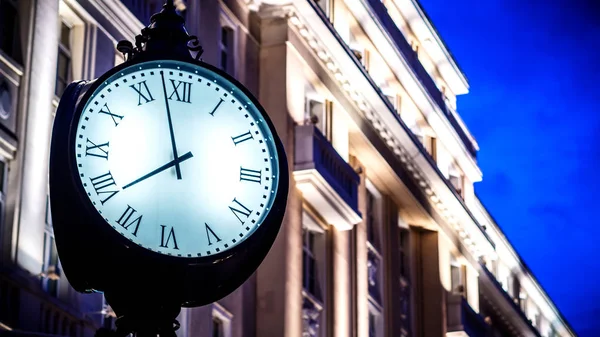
{"x": 279, "y": 278}
{"x": 32, "y": 211}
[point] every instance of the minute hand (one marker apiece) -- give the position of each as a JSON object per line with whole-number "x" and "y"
{"x": 177, "y": 169}
{"x": 172, "y": 163}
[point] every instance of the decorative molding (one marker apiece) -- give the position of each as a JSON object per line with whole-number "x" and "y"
{"x": 390, "y": 140}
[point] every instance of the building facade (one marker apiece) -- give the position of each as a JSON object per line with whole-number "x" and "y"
{"x": 383, "y": 235}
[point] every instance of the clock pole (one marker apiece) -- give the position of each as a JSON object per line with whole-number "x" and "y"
{"x": 146, "y": 315}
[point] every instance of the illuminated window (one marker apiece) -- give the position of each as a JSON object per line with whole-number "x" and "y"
{"x": 456, "y": 178}
{"x": 458, "y": 277}
{"x": 63, "y": 65}
{"x": 359, "y": 50}
{"x": 320, "y": 111}
{"x": 430, "y": 143}
{"x": 10, "y": 37}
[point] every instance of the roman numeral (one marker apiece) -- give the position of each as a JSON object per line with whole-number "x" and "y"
{"x": 237, "y": 212}
{"x": 182, "y": 95}
{"x": 165, "y": 244}
{"x": 92, "y": 149}
{"x": 101, "y": 183}
{"x": 212, "y": 113}
{"x": 106, "y": 111}
{"x": 143, "y": 92}
{"x": 124, "y": 219}
{"x": 250, "y": 175}
{"x": 242, "y": 138}
{"x": 210, "y": 232}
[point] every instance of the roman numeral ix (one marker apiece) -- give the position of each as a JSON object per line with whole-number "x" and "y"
{"x": 106, "y": 111}
{"x": 101, "y": 185}
{"x": 165, "y": 243}
{"x": 244, "y": 212}
{"x": 143, "y": 92}
{"x": 250, "y": 175}
{"x": 210, "y": 232}
{"x": 124, "y": 220}
{"x": 181, "y": 90}
{"x": 100, "y": 150}
{"x": 242, "y": 138}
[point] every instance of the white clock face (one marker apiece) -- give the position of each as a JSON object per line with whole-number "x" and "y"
{"x": 176, "y": 159}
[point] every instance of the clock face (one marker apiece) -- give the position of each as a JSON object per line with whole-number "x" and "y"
{"x": 176, "y": 158}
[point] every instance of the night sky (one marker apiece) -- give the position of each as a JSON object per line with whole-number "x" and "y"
{"x": 533, "y": 107}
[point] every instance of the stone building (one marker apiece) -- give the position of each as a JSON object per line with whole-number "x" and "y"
{"x": 383, "y": 235}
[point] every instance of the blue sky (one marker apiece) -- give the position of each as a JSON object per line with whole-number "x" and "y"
{"x": 534, "y": 105}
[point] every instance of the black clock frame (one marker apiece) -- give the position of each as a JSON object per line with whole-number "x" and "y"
{"x": 136, "y": 281}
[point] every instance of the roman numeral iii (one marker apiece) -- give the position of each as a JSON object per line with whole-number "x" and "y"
{"x": 143, "y": 92}
{"x": 244, "y": 212}
{"x": 101, "y": 185}
{"x": 250, "y": 175}
{"x": 164, "y": 242}
{"x": 124, "y": 220}
{"x": 181, "y": 90}
{"x": 100, "y": 150}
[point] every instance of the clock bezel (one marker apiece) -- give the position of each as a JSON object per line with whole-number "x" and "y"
{"x": 273, "y": 218}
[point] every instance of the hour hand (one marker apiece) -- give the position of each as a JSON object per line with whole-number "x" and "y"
{"x": 172, "y": 163}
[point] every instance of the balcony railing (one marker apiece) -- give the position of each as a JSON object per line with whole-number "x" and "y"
{"x": 461, "y": 317}
{"x": 327, "y": 181}
{"x": 378, "y": 8}
{"x": 511, "y": 308}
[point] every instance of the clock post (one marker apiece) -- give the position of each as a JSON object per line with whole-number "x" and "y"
{"x": 163, "y": 121}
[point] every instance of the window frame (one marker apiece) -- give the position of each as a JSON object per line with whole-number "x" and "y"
{"x": 228, "y": 23}
{"x": 225, "y": 316}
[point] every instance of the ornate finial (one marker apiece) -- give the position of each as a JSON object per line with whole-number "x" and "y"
{"x": 166, "y": 36}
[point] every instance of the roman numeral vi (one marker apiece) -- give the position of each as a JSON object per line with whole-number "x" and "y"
{"x": 165, "y": 243}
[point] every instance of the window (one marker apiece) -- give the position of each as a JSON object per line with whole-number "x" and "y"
{"x": 63, "y": 64}
{"x": 358, "y": 49}
{"x": 226, "y": 62}
{"x": 313, "y": 277}
{"x": 375, "y": 322}
{"x": 405, "y": 290}
{"x": 221, "y": 321}
{"x": 458, "y": 278}
{"x": 50, "y": 268}
{"x": 456, "y": 178}
{"x": 430, "y": 143}
{"x": 324, "y": 4}
{"x": 10, "y": 36}
{"x": 319, "y": 112}
{"x": 217, "y": 327}
{"x": 373, "y": 219}
{"x": 3, "y": 170}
